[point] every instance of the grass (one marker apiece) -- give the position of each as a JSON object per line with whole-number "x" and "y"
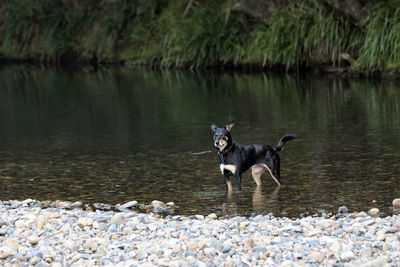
{"x": 197, "y": 34}
{"x": 302, "y": 34}
{"x": 380, "y": 48}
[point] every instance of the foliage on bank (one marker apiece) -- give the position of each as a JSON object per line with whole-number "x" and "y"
{"x": 192, "y": 34}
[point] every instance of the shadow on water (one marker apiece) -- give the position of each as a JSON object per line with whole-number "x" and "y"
{"x": 116, "y": 135}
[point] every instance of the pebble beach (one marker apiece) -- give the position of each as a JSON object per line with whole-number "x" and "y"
{"x": 34, "y": 233}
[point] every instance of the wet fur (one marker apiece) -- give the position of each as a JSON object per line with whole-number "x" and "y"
{"x": 235, "y": 158}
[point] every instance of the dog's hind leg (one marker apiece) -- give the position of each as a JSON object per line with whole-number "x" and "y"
{"x": 256, "y": 172}
{"x": 273, "y": 169}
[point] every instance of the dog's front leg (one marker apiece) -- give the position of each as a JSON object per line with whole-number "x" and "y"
{"x": 238, "y": 177}
{"x": 228, "y": 183}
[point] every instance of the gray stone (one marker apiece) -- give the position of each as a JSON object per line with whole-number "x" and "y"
{"x": 76, "y": 205}
{"x": 313, "y": 242}
{"x": 298, "y": 229}
{"x": 112, "y": 228}
{"x": 258, "y": 250}
{"x": 141, "y": 254}
{"x": 158, "y": 206}
{"x": 102, "y": 226}
{"x": 343, "y": 209}
{"x": 143, "y": 218}
{"x": 226, "y": 248}
{"x": 238, "y": 219}
{"x": 3, "y": 232}
{"x": 123, "y": 257}
{"x": 369, "y": 222}
{"x": 190, "y": 253}
{"x": 298, "y": 255}
{"x": 42, "y": 264}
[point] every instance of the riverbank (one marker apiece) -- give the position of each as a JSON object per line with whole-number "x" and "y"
{"x": 57, "y": 236}
{"x": 294, "y": 35}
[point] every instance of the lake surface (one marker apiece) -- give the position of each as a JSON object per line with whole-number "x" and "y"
{"x": 116, "y": 135}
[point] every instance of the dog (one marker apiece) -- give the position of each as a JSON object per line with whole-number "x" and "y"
{"x": 235, "y": 158}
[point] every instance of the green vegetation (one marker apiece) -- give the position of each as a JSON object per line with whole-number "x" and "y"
{"x": 192, "y": 34}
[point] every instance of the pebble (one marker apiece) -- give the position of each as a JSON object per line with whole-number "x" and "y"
{"x": 396, "y": 202}
{"x": 34, "y": 239}
{"x": 226, "y": 249}
{"x": 39, "y": 234}
{"x": 343, "y": 209}
{"x": 170, "y": 204}
{"x": 373, "y": 211}
{"x": 199, "y": 217}
{"x": 347, "y": 255}
{"x": 84, "y": 221}
{"x": 40, "y": 222}
{"x": 211, "y": 216}
{"x": 158, "y": 206}
{"x": 316, "y": 256}
{"x": 20, "y": 224}
{"x": 130, "y": 204}
{"x": 117, "y": 219}
{"x": 362, "y": 214}
{"x": 380, "y": 261}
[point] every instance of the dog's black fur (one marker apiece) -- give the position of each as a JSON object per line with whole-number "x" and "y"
{"x": 236, "y": 158}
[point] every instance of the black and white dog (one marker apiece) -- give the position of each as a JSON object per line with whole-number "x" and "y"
{"x": 235, "y": 158}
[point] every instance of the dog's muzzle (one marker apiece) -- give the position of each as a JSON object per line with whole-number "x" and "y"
{"x": 220, "y": 143}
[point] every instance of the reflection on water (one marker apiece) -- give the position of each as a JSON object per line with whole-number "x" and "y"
{"x": 121, "y": 134}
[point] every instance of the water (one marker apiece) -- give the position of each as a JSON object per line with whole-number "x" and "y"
{"x": 117, "y": 135}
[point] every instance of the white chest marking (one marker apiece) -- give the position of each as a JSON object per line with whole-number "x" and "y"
{"x": 231, "y": 168}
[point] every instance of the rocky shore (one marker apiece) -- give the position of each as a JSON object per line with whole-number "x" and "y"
{"x": 35, "y": 234}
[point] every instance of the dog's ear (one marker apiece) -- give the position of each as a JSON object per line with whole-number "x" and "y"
{"x": 213, "y": 127}
{"x": 229, "y": 126}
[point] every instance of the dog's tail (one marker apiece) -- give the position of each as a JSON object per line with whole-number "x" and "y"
{"x": 283, "y": 141}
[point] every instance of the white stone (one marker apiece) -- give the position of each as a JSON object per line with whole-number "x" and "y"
{"x": 381, "y": 237}
{"x": 378, "y": 262}
{"x": 373, "y": 211}
{"x": 152, "y": 227}
{"x": 40, "y": 222}
{"x": 199, "y": 217}
{"x": 20, "y": 224}
{"x": 8, "y": 250}
{"x": 84, "y": 221}
{"x": 396, "y": 202}
{"x": 34, "y": 239}
{"x": 211, "y": 216}
{"x": 347, "y": 255}
{"x": 129, "y": 204}
{"x": 117, "y": 219}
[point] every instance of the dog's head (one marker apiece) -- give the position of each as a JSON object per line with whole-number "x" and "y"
{"x": 222, "y": 136}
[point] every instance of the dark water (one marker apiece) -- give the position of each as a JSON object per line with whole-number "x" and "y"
{"x": 122, "y": 134}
